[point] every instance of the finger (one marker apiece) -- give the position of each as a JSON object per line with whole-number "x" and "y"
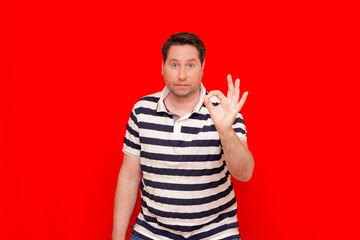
{"x": 230, "y": 86}
{"x": 208, "y": 103}
{"x": 236, "y": 94}
{"x": 217, "y": 94}
{"x": 240, "y": 104}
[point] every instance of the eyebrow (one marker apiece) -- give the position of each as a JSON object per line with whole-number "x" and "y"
{"x": 189, "y": 60}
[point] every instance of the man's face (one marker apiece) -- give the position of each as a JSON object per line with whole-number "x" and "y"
{"x": 183, "y": 71}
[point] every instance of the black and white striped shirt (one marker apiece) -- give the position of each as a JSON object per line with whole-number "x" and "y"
{"x": 186, "y": 189}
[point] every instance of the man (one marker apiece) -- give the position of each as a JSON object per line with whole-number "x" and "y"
{"x": 183, "y": 145}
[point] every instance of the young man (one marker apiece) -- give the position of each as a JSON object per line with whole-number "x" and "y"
{"x": 182, "y": 145}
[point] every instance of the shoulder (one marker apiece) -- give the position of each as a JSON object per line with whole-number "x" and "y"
{"x": 151, "y": 99}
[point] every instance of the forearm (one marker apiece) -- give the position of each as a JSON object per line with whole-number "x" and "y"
{"x": 125, "y": 199}
{"x": 239, "y": 159}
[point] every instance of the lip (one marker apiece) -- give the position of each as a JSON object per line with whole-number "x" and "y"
{"x": 181, "y": 85}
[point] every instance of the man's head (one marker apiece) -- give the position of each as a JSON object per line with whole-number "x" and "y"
{"x": 184, "y": 38}
{"x": 183, "y": 65}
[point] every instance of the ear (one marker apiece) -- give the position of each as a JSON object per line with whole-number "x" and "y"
{"x": 203, "y": 65}
{"x": 162, "y": 68}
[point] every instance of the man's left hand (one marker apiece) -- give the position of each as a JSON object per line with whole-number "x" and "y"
{"x": 224, "y": 114}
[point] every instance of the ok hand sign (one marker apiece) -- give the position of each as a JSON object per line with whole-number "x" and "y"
{"x": 224, "y": 114}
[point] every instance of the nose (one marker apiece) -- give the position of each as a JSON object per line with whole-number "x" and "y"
{"x": 182, "y": 73}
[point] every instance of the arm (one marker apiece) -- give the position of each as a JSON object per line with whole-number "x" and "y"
{"x": 239, "y": 159}
{"x": 125, "y": 195}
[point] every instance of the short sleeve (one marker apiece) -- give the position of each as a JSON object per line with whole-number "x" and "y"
{"x": 131, "y": 140}
{"x": 239, "y": 127}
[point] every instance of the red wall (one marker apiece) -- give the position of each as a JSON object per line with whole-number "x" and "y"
{"x": 71, "y": 72}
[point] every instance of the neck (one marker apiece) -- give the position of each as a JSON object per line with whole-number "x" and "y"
{"x": 181, "y": 105}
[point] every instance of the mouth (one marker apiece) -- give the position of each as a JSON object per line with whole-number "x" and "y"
{"x": 181, "y": 85}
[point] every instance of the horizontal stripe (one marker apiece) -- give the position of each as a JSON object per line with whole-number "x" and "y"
{"x": 186, "y": 194}
{"x": 240, "y": 130}
{"x": 157, "y": 231}
{"x": 194, "y": 227}
{"x": 160, "y": 222}
{"x": 181, "y": 165}
{"x": 150, "y": 99}
{"x": 184, "y": 180}
{"x": 239, "y": 120}
{"x": 182, "y": 172}
{"x": 188, "y": 202}
{"x": 181, "y": 158}
{"x": 186, "y": 187}
{"x": 144, "y": 224}
{"x": 173, "y": 150}
{"x": 182, "y": 136}
{"x": 132, "y": 131}
{"x": 152, "y": 112}
{"x": 180, "y": 143}
{"x": 131, "y": 144}
{"x": 147, "y": 111}
{"x": 187, "y": 209}
{"x": 212, "y": 232}
{"x": 193, "y": 215}
{"x": 133, "y": 118}
{"x": 155, "y": 126}
{"x": 195, "y": 130}
{"x": 199, "y": 116}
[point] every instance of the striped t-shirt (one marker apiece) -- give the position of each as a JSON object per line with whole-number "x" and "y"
{"x": 186, "y": 189}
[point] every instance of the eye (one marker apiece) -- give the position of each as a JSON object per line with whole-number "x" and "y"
{"x": 174, "y": 65}
{"x": 191, "y": 65}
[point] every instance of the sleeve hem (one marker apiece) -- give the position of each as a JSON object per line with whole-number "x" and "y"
{"x": 130, "y": 153}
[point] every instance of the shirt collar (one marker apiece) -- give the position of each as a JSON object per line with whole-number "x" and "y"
{"x": 162, "y": 108}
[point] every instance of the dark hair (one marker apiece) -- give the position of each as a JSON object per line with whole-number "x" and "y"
{"x": 184, "y": 38}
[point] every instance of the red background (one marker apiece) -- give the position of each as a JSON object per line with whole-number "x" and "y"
{"x": 72, "y": 70}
